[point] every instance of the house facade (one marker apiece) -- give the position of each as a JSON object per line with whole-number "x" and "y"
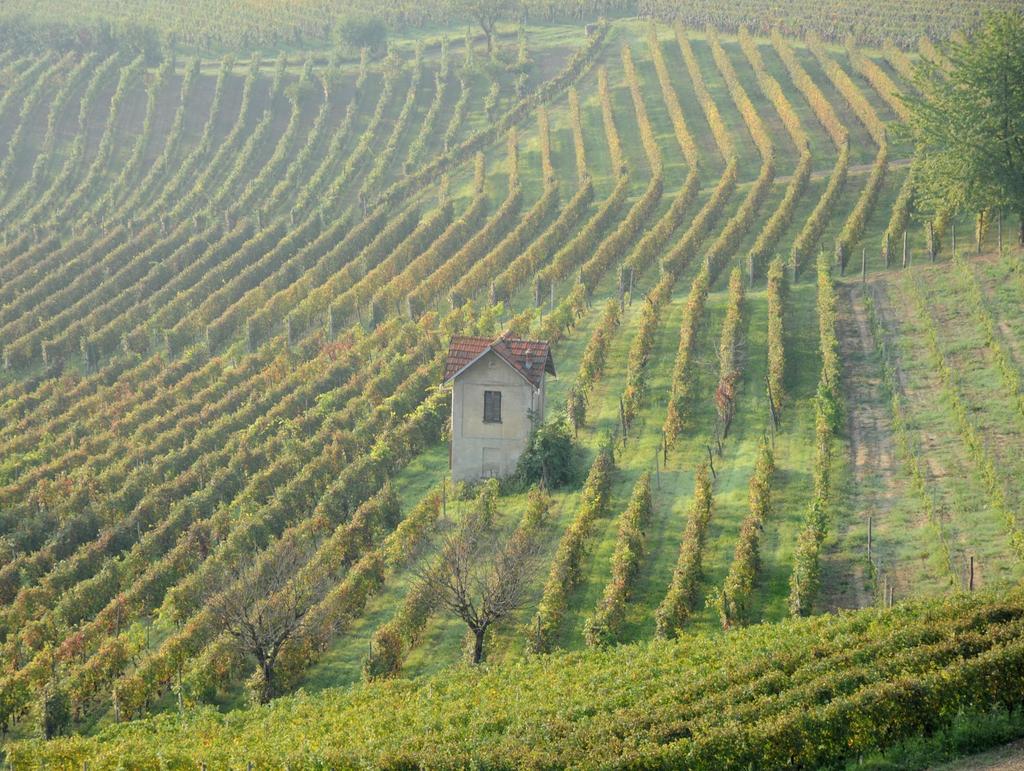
{"x": 497, "y": 394}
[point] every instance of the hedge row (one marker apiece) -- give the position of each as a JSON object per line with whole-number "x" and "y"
{"x": 734, "y": 600}
{"x": 683, "y": 376}
{"x": 721, "y": 133}
{"x": 782, "y": 217}
{"x": 853, "y": 228}
{"x": 668, "y": 94}
{"x": 592, "y": 364}
{"x": 730, "y": 367}
{"x": 682, "y": 597}
{"x": 822, "y": 108}
{"x": 565, "y": 569}
{"x": 605, "y": 626}
{"x": 804, "y": 581}
{"x": 776, "y": 338}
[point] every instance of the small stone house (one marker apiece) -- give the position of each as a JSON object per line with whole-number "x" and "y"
{"x": 497, "y": 394}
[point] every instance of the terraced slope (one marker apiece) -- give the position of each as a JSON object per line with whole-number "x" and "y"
{"x": 890, "y": 675}
{"x": 226, "y": 289}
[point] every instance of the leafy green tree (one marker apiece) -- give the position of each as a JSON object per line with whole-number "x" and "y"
{"x": 362, "y": 30}
{"x": 969, "y": 122}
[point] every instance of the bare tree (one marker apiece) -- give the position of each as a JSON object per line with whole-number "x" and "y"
{"x": 487, "y": 14}
{"x": 481, "y": 580}
{"x": 266, "y": 607}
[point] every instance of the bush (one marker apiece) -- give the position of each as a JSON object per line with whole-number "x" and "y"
{"x": 362, "y": 30}
{"x": 550, "y": 457}
{"x": 54, "y": 711}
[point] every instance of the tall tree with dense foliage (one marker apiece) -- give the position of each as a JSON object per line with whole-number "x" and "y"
{"x": 969, "y": 122}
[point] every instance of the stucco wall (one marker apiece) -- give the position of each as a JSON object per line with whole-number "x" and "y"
{"x": 503, "y": 442}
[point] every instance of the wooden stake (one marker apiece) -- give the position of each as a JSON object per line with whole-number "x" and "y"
{"x": 630, "y": 286}
{"x": 970, "y": 579}
{"x": 999, "y": 219}
{"x": 657, "y": 468}
{"x": 771, "y": 403}
{"x": 905, "y": 245}
{"x": 622, "y": 418}
{"x": 952, "y": 227}
{"x": 864, "y": 265}
{"x": 885, "y": 591}
{"x": 892, "y": 594}
{"x": 870, "y": 534}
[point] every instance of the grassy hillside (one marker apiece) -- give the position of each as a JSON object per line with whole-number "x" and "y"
{"x": 811, "y": 693}
{"x": 226, "y": 290}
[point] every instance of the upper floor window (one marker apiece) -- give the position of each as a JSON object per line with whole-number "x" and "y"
{"x": 492, "y": 406}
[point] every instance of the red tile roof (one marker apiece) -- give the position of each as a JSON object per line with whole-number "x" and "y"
{"x": 530, "y": 358}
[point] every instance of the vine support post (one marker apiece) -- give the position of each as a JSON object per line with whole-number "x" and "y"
{"x": 657, "y": 468}
{"x": 952, "y": 229}
{"x": 863, "y": 265}
{"x": 999, "y": 227}
{"x": 970, "y": 576}
{"x": 622, "y": 419}
{"x": 870, "y": 538}
{"x": 771, "y": 405}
